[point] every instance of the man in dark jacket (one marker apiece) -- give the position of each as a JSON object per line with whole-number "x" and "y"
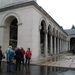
{"x": 18, "y": 58}
{"x": 1, "y": 55}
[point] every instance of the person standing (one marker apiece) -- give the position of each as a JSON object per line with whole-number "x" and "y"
{"x": 23, "y": 54}
{"x": 10, "y": 57}
{"x": 28, "y": 55}
{"x": 1, "y": 55}
{"x": 18, "y": 58}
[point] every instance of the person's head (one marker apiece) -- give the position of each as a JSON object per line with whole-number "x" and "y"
{"x": 21, "y": 48}
{"x": 18, "y": 47}
{"x": 10, "y": 46}
{"x": 28, "y": 49}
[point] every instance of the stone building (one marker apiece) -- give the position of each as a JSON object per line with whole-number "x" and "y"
{"x": 25, "y": 23}
{"x": 71, "y": 37}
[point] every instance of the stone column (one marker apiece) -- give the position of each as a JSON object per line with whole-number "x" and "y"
{"x": 69, "y": 45}
{"x": 50, "y": 69}
{"x": 46, "y": 45}
{"x": 39, "y": 47}
{"x": 45, "y": 70}
{"x": 51, "y": 46}
{"x": 65, "y": 46}
{"x": 61, "y": 45}
{"x": 54, "y": 45}
{"x": 19, "y": 29}
{"x": 3, "y": 37}
{"x": 58, "y": 45}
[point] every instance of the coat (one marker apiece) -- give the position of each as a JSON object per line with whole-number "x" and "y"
{"x": 18, "y": 54}
{"x": 10, "y": 55}
{"x": 23, "y": 52}
{"x": 1, "y": 55}
{"x": 28, "y": 54}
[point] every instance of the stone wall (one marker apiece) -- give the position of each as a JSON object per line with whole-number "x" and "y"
{"x": 6, "y": 3}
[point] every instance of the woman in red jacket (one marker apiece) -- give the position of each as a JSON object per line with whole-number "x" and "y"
{"x": 28, "y": 55}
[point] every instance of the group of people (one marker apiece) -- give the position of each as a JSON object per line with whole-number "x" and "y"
{"x": 16, "y": 57}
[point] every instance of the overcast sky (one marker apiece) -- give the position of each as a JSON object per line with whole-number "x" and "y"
{"x": 62, "y": 11}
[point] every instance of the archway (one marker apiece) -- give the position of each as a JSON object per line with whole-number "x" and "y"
{"x": 72, "y": 43}
{"x": 53, "y": 39}
{"x": 49, "y": 33}
{"x": 11, "y": 31}
{"x": 42, "y": 38}
{"x": 56, "y": 41}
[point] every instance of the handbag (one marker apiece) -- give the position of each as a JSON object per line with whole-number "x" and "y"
{"x": 14, "y": 61}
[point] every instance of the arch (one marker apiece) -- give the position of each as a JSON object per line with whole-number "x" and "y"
{"x": 44, "y": 20}
{"x": 49, "y": 28}
{"x": 13, "y": 33}
{"x": 9, "y": 15}
{"x": 54, "y": 31}
{"x": 72, "y": 43}
{"x": 8, "y": 21}
{"x": 42, "y": 37}
{"x": 48, "y": 39}
{"x": 43, "y": 24}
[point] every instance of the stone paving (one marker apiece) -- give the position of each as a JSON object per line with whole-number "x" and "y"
{"x": 37, "y": 70}
{"x": 65, "y": 66}
{"x": 67, "y": 60}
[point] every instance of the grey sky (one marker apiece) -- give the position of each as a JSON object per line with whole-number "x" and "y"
{"x": 62, "y": 11}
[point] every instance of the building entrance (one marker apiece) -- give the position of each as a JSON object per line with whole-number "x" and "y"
{"x": 13, "y": 33}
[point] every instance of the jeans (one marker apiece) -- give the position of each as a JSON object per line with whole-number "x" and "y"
{"x": 27, "y": 61}
{"x": 18, "y": 64}
{"x": 10, "y": 66}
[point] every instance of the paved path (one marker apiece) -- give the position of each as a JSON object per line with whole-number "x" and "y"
{"x": 67, "y": 61}
{"x": 66, "y": 66}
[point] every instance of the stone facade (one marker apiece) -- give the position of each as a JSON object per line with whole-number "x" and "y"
{"x": 32, "y": 22}
{"x": 6, "y": 3}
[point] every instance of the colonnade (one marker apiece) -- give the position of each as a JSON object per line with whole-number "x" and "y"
{"x": 54, "y": 42}
{"x": 59, "y": 45}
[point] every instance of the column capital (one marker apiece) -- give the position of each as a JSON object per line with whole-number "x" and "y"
{"x": 19, "y": 24}
{"x": 45, "y": 31}
{"x": 50, "y": 33}
{"x": 2, "y": 26}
